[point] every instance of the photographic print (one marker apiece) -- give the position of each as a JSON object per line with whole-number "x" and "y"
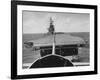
{"x": 53, "y": 39}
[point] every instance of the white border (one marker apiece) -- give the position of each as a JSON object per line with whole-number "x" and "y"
{"x": 21, "y": 71}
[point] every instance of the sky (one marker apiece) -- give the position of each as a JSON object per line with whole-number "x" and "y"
{"x": 38, "y": 22}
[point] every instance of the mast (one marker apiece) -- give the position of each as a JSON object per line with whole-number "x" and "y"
{"x": 53, "y": 34}
{"x": 51, "y": 31}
